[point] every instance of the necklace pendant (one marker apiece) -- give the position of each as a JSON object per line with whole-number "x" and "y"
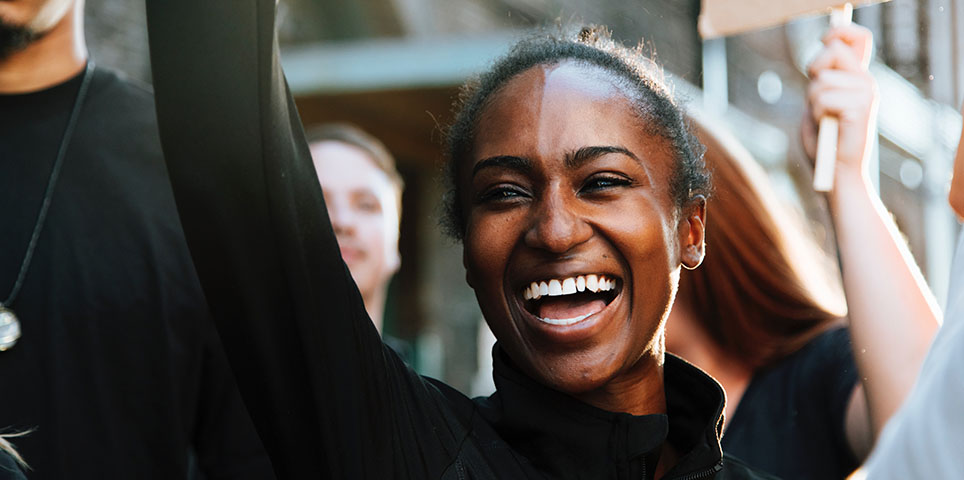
{"x": 9, "y": 328}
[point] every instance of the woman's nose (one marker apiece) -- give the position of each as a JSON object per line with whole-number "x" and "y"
{"x": 556, "y": 225}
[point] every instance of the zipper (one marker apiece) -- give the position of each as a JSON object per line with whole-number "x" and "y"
{"x": 709, "y": 472}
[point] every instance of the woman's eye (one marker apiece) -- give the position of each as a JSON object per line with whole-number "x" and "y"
{"x": 501, "y": 194}
{"x": 603, "y": 182}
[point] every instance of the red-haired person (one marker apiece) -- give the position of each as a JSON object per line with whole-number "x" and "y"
{"x": 809, "y": 379}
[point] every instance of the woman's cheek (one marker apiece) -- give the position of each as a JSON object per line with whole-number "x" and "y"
{"x": 477, "y": 251}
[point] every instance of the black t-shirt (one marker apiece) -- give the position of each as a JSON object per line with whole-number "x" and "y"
{"x": 119, "y": 371}
{"x": 791, "y": 419}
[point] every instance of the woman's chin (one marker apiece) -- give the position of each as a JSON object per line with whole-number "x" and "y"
{"x": 576, "y": 376}
{"x": 596, "y": 378}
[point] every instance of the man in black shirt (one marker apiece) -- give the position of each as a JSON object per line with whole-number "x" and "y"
{"x": 106, "y": 348}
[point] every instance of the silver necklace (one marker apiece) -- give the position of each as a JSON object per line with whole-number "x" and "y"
{"x": 9, "y": 323}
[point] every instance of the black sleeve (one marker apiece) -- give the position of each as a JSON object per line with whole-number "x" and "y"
{"x": 327, "y": 397}
{"x": 225, "y": 440}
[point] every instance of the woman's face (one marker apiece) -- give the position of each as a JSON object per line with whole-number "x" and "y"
{"x": 573, "y": 242}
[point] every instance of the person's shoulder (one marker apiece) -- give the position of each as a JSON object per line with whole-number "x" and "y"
{"x": 826, "y": 353}
{"x": 827, "y": 356}
{"x": 836, "y": 338}
{"x": 120, "y": 89}
{"x": 119, "y": 116}
{"x": 735, "y": 469}
{"x": 832, "y": 341}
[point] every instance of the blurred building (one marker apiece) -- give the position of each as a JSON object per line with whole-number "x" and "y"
{"x": 393, "y": 67}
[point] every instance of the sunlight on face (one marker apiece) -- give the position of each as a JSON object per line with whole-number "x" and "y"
{"x": 567, "y": 189}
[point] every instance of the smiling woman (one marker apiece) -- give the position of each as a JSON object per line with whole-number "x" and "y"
{"x": 578, "y": 192}
{"x": 564, "y": 139}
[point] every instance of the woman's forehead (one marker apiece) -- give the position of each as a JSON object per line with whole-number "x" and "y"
{"x": 566, "y": 77}
{"x": 559, "y": 107}
{"x": 588, "y": 80}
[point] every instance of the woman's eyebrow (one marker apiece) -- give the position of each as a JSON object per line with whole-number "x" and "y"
{"x": 585, "y": 154}
{"x": 523, "y": 165}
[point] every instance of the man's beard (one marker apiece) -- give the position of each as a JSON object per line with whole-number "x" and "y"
{"x": 14, "y": 38}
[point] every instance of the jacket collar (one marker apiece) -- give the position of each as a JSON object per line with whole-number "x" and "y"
{"x": 569, "y": 439}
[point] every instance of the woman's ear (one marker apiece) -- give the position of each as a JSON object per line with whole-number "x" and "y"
{"x": 693, "y": 233}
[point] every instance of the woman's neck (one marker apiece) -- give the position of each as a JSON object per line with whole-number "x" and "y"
{"x": 375, "y": 305}
{"x": 638, "y": 391}
{"x": 686, "y": 338}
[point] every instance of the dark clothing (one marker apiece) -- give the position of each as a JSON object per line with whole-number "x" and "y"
{"x": 9, "y": 469}
{"x": 564, "y": 438}
{"x": 328, "y": 397}
{"x": 791, "y": 419}
{"x": 119, "y": 370}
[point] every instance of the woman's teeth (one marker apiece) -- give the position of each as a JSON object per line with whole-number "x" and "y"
{"x": 565, "y": 321}
{"x": 569, "y": 286}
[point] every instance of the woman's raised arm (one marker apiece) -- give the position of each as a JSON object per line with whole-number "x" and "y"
{"x": 324, "y": 392}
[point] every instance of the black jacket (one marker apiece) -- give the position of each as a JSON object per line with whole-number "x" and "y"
{"x": 330, "y": 400}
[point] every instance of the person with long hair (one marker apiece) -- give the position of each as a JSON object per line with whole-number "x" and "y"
{"x": 578, "y": 193}
{"x": 806, "y": 377}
